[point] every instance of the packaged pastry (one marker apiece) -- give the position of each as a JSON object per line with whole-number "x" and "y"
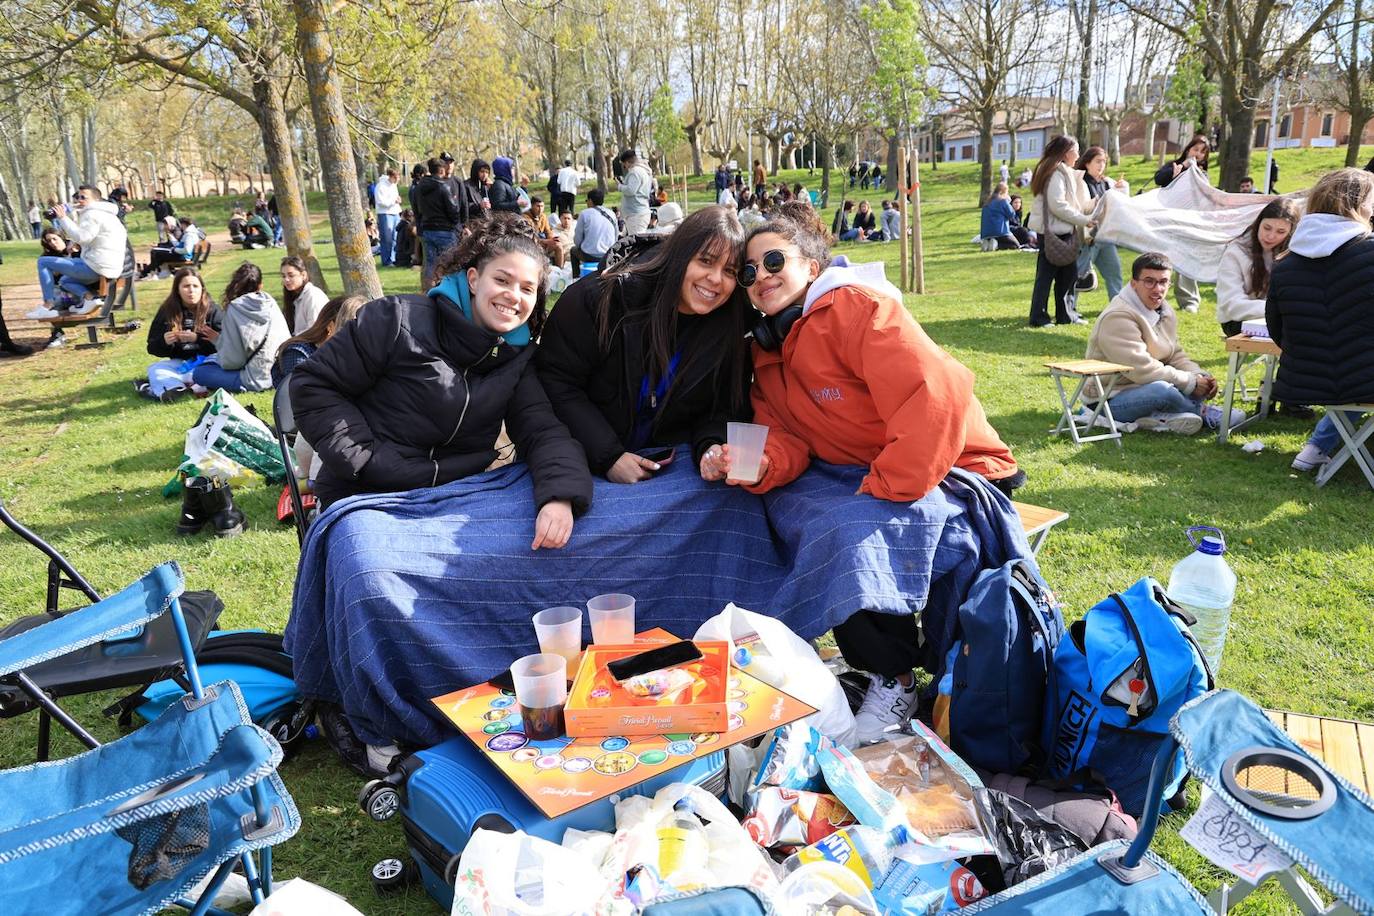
{"x": 781, "y": 817}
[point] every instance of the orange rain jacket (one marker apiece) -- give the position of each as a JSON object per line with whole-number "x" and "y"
{"x": 858, "y": 382}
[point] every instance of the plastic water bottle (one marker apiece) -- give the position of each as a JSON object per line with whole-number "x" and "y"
{"x": 1204, "y": 585}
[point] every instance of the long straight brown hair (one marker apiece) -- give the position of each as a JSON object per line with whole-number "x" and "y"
{"x": 1049, "y": 161}
{"x": 334, "y": 314}
{"x": 1257, "y": 284}
{"x": 171, "y": 308}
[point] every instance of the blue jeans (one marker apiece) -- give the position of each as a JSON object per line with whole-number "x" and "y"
{"x": 1155, "y": 397}
{"x": 1325, "y": 436}
{"x": 386, "y": 228}
{"x": 276, "y": 230}
{"x": 1104, "y": 256}
{"x": 37, "y": 229}
{"x": 70, "y": 274}
{"x": 436, "y": 241}
{"x": 212, "y": 375}
{"x": 849, "y": 235}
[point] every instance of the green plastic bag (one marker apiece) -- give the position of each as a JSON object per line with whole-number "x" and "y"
{"x": 230, "y": 444}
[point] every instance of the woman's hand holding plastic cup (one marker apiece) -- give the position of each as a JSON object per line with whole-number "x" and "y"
{"x": 713, "y": 465}
{"x": 764, "y": 465}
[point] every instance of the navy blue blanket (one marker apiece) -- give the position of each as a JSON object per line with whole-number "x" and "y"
{"x": 401, "y": 597}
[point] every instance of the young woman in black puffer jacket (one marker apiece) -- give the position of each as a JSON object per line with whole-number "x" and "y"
{"x": 1320, "y": 308}
{"x": 414, "y": 391}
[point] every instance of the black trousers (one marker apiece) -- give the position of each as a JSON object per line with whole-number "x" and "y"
{"x": 883, "y": 644}
{"x": 1064, "y": 280}
{"x": 1230, "y": 328}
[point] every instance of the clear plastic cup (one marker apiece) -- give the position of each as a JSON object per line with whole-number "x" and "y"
{"x": 613, "y": 619}
{"x": 541, "y": 689}
{"x": 746, "y": 441}
{"x": 560, "y": 632}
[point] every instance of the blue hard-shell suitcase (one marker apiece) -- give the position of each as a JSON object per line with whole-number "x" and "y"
{"x": 450, "y": 790}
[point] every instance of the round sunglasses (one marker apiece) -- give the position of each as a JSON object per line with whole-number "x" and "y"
{"x": 773, "y": 261}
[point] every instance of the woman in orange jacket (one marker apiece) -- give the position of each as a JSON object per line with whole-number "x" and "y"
{"x": 843, "y": 372}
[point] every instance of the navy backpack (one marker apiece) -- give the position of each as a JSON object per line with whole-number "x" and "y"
{"x": 990, "y": 704}
{"x": 1124, "y": 671}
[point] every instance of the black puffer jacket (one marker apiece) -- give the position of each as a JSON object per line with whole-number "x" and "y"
{"x": 202, "y": 347}
{"x": 411, "y": 394}
{"x": 595, "y": 390}
{"x": 434, "y": 205}
{"x": 1321, "y": 312}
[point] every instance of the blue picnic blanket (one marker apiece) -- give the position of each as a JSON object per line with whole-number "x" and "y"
{"x": 405, "y": 596}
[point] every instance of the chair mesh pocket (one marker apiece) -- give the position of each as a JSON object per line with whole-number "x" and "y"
{"x": 1124, "y": 757}
{"x": 164, "y": 845}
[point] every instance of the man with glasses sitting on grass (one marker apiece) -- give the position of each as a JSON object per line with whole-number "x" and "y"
{"x": 1164, "y": 391}
{"x": 102, "y": 238}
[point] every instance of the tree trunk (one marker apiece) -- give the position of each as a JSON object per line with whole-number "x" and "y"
{"x": 598, "y": 156}
{"x": 694, "y": 141}
{"x": 985, "y": 155}
{"x": 22, "y": 187}
{"x": 11, "y": 222}
{"x": 827, "y": 151}
{"x": 69, "y": 156}
{"x": 276, "y": 145}
{"x": 1086, "y": 25}
{"x": 1113, "y": 128}
{"x": 90, "y": 161}
{"x": 1011, "y": 146}
{"x": 1358, "y": 119}
{"x": 1238, "y": 134}
{"x": 894, "y": 153}
{"x": 1151, "y": 126}
{"x": 337, "y": 158}
{"x": 774, "y": 154}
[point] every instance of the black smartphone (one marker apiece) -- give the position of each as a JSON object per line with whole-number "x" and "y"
{"x": 656, "y": 659}
{"x": 660, "y": 456}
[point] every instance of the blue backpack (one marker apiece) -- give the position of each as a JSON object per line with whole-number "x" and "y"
{"x": 1124, "y": 671}
{"x": 991, "y": 693}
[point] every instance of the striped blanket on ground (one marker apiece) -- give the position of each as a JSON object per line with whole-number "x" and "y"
{"x": 405, "y": 596}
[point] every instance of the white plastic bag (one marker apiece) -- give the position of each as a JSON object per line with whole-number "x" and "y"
{"x": 805, "y": 676}
{"x": 299, "y": 897}
{"x": 515, "y": 874}
{"x": 559, "y": 278}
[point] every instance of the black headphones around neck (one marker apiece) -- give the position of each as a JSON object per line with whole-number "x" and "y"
{"x": 772, "y": 330}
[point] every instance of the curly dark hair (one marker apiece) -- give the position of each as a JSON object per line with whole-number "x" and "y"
{"x": 801, "y": 225}
{"x": 498, "y": 234}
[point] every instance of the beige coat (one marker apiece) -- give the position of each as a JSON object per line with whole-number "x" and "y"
{"x": 1065, "y": 203}
{"x": 1124, "y": 335}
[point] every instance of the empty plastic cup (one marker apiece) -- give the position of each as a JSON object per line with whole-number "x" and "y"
{"x": 746, "y": 442}
{"x": 541, "y": 689}
{"x": 560, "y": 632}
{"x": 613, "y": 619}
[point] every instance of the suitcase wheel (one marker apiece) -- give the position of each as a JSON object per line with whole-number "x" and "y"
{"x": 379, "y": 800}
{"x": 451, "y": 869}
{"x": 391, "y": 875}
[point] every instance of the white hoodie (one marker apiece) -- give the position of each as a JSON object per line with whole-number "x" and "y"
{"x": 1319, "y": 234}
{"x": 1234, "y": 302}
{"x": 842, "y": 273}
{"x": 101, "y": 235}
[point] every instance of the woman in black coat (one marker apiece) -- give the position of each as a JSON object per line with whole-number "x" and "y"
{"x": 654, "y": 352}
{"x": 1320, "y": 307}
{"x": 413, "y": 392}
{"x": 176, "y": 334}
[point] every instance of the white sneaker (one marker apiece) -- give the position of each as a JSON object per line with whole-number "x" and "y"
{"x": 1310, "y": 458}
{"x": 380, "y": 756}
{"x": 1192, "y": 309}
{"x": 1123, "y": 426}
{"x": 42, "y": 313}
{"x": 1211, "y": 415}
{"x": 1182, "y": 424}
{"x": 886, "y": 703}
{"x": 88, "y": 306}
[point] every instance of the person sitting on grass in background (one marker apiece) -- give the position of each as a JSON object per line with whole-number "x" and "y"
{"x": 654, "y": 352}
{"x": 405, "y": 240}
{"x": 597, "y": 230}
{"x": 336, "y": 313}
{"x": 238, "y": 225}
{"x": 1320, "y": 308}
{"x": 176, "y": 334}
{"x": 543, "y": 232}
{"x": 839, "y": 226}
{"x": 103, "y": 240}
{"x": 892, "y": 222}
{"x": 413, "y": 393}
{"x": 843, "y": 373}
{"x": 995, "y": 232}
{"x": 1247, "y": 186}
{"x": 864, "y": 226}
{"x": 1164, "y": 389}
{"x": 301, "y": 300}
{"x": 257, "y": 232}
{"x": 1017, "y": 224}
{"x": 251, "y": 332}
{"x": 563, "y": 233}
{"x": 181, "y": 249}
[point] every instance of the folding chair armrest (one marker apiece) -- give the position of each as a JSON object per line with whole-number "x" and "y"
{"x": 1154, "y": 795}
{"x": 117, "y": 615}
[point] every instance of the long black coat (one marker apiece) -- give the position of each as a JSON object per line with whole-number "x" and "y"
{"x": 412, "y": 394}
{"x": 595, "y": 390}
{"x": 1321, "y": 312}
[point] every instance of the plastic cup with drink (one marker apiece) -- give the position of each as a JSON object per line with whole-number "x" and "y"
{"x": 613, "y": 619}
{"x": 541, "y": 689}
{"x": 746, "y": 441}
{"x": 559, "y": 630}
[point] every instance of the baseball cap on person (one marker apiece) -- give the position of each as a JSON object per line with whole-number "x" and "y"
{"x": 445, "y": 157}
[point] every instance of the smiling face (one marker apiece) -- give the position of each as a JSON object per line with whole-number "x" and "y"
{"x": 708, "y": 281}
{"x": 1273, "y": 232}
{"x": 189, "y": 290}
{"x": 1151, "y": 286}
{"x": 504, "y": 291}
{"x": 292, "y": 280}
{"x": 773, "y": 292}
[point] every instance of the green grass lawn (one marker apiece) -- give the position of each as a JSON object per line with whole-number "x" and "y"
{"x": 83, "y": 460}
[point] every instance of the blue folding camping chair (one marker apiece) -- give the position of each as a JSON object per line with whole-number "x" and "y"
{"x": 132, "y": 826}
{"x": 1321, "y": 822}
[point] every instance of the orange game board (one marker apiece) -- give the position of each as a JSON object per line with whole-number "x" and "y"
{"x": 561, "y": 775}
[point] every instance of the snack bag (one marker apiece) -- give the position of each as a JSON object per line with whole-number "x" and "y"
{"x": 791, "y": 759}
{"x": 791, "y": 817}
{"x": 910, "y": 889}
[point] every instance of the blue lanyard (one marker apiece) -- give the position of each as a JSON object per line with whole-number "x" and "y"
{"x": 644, "y": 413}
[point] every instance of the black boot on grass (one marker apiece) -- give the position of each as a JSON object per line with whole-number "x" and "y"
{"x": 193, "y": 512}
{"x": 224, "y": 516}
